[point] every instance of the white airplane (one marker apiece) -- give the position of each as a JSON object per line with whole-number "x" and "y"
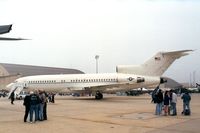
{"x": 127, "y": 77}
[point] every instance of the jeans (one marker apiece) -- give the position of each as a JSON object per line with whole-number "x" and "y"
{"x": 41, "y": 107}
{"x": 159, "y": 108}
{"x": 174, "y": 108}
{"x": 186, "y": 104}
{"x": 33, "y": 108}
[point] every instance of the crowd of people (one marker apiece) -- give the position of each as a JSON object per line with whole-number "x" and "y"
{"x": 36, "y": 103}
{"x": 167, "y": 103}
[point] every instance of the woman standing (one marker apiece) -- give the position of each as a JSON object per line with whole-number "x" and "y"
{"x": 166, "y": 102}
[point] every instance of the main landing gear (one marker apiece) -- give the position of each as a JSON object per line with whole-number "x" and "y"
{"x": 98, "y": 95}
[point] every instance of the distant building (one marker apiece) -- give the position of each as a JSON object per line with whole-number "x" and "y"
{"x": 10, "y": 72}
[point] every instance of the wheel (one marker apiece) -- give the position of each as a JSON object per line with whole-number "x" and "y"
{"x": 98, "y": 95}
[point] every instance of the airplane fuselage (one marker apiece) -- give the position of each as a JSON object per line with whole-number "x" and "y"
{"x": 78, "y": 82}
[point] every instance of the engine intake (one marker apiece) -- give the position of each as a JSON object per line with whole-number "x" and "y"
{"x": 140, "y": 79}
{"x": 163, "y": 80}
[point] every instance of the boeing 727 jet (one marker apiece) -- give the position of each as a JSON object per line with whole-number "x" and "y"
{"x": 127, "y": 77}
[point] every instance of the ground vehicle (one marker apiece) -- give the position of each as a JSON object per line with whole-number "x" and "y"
{"x": 3, "y": 94}
{"x": 21, "y": 95}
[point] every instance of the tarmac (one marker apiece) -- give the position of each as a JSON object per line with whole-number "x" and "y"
{"x": 113, "y": 114}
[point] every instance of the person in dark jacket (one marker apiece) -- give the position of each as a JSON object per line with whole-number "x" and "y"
{"x": 34, "y": 100}
{"x": 27, "y": 106}
{"x": 45, "y": 107}
{"x": 166, "y": 102}
{"x": 186, "y": 102}
{"x": 12, "y": 97}
{"x": 159, "y": 102}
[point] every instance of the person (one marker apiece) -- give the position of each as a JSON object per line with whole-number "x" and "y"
{"x": 12, "y": 97}
{"x": 27, "y": 106}
{"x": 166, "y": 102}
{"x": 186, "y": 103}
{"x": 159, "y": 102}
{"x": 52, "y": 96}
{"x": 173, "y": 101}
{"x": 45, "y": 107}
{"x": 33, "y": 106}
{"x": 153, "y": 95}
{"x": 41, "y": 105}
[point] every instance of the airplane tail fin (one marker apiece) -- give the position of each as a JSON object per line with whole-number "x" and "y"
{"x": 155, "y": 66}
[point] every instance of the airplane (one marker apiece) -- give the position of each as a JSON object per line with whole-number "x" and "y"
{"x": 127, "y": 77}
{"x": 6, "y": 29}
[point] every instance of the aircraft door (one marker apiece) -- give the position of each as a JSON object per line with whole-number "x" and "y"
{"x": 25, "y": 86}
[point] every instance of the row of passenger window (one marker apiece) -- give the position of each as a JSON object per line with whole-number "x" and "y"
{"x": 94, "y": 80}
{"x": 75, "y": 80}
{"x": 42, "y": 81}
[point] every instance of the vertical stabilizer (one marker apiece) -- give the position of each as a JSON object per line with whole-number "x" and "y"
{"x": 155, "y": 66}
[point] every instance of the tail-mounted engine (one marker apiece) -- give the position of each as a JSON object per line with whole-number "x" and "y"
{"x": 140, "y": 79}
{"x": 163, "y": 80}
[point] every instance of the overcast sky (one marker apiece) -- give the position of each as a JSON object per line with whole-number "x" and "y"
{"x": 69, "y": 33}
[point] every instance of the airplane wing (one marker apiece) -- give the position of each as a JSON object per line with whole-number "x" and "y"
{"x": 114, "y": 87}
{"x": 5, "y": 28}
{"x": 11, "y": 39}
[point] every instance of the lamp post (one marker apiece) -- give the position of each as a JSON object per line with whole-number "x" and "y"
{"x": 96, "y": 57}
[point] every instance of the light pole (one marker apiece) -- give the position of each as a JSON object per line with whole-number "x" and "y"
{"x": 96, "y": 57}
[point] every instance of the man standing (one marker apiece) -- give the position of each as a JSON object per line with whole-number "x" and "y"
{"x": 42, "y": 99}
{"x": 45, "y": 107}
{"x": 173, "y": 102}
{"x": 33, "y": 106}
{"x": 12, "y": 97}
{"x": 159, "y": 102}
{"x": 27, "y": 106}
{"x": 186, "y": 103}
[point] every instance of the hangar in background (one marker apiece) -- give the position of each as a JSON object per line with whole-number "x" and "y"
{"x": 10, "y": 72}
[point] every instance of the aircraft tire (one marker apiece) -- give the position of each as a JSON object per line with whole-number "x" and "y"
{"x": 99, "y": 96}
